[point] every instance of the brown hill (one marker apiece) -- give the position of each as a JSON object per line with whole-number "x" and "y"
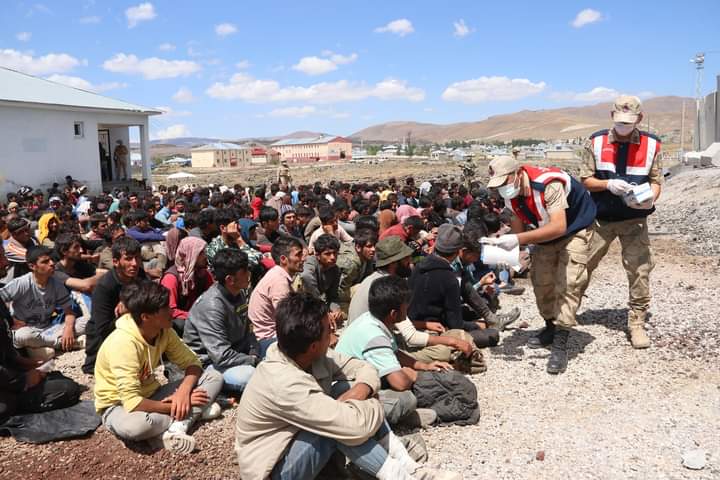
{"x": 663, "y": 113}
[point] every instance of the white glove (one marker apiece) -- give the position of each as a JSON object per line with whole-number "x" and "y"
{"x": 618, "y": 187}
{"x": 506, "y": 242}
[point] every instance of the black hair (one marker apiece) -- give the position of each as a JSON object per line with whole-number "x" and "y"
{"x": 138, "y": 216}
{"x": 17, "y": 223}
{"x": 35, "y": 252}
{"x": 367, "y": 221}
{"x": 327, "y": 215}
{"x": 386, "y": 294}
{"x": 340, "y": 206}
{"x": 64, "y": 241}
{"x": 225, "y": 216}
{"x": 363, "y": 236}
{"x": 326, "y": 242}
{"x": 96, "y": 219}
{"x": 298, "y": 322}
{"x": 205, "y": 218}
{"x": 144, "y": 297}
{"x": 282, "y": 247}
{"x": 228, "y": 261}
{"x": 303, "y": 211}
{"x": 268, "y": 214}
{"x": 414, "y": 221}
{"x": 471, "y": 240}
{"x": 125, "y": 245}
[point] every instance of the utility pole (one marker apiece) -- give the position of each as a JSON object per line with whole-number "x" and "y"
{"x": 682, "y": 131}
{"x": 699, "y": 61}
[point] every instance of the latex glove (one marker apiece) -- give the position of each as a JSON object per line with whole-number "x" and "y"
{"x": 618, "y": 187}
{"x": 507, "y": 242}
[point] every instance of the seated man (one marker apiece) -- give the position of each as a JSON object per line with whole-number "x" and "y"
{"x": 269, "y": 230}
{"x": 21, "y": 239}
{"x": 129, "y": 398}
{"x": 356, "y": 261}
{"x": 287, "y": 252}
{"x": 74, "y": 272}
{"x": 34, "y": 297}
{"x": 437, "y": 292}
{"x": 24, "y": 388}
{"x": 370, "y": 338}
{"x": 153, "y": 251}
{"x": 218, "y": 329}
{"x": 288, "y": 423}
{"x": 321, "y": 276}
{"x": 106, "y": 305}
{"x": 329, "y": 225}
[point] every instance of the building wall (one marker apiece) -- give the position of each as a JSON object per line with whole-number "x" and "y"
{"x": 205, "y": 159}
{"x": 39, "y": 146}
{"x": 221, "y": 158}
{"x": 311, "y": 152}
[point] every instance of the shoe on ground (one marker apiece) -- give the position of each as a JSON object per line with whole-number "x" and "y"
{"x": 178, "y": 443}
{"x": 639, "y": 338}
{"x": 211, "y": 412}
{"x": 420, "y": 418}
{"x": 544, "y": 338}
{"x": 558, "y": 355}
{"x": 501, "y": 322}
{"x": 415, "y": 446}
{"x": 425, "y": 473}
{"x": 41, "y": 353}
{"x": 512, "y": 290}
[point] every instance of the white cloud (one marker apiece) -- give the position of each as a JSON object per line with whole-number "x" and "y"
{"x": 318, "y": 66}
{"x": 400, "y": 27}
{"x": 487, "y": 89}
{"x": 50, "y": 63}
{"x": 83, "y": 84}
{"x": 293, "y": 112}
{"x": 246, "y": 88}
{"x": 170, "y": 112}
{"x": 166, "y": 47}
{"x": 225, "y": 29}
{"x": 90, "y": 19}
{"x": 243, "y": 64}
{"x": 140, "y": 13}
{"x": 596, "y": 95}
{"x": 173, "y": 131}
{"x": 461, "y": 29}
{"x": 151, "y": 68}
{"x": 340, "y": 115}
{"x": 23, "y": 36}
{"x": 586, "y": 17}
{"x": 183, "y": 95}
{"x": 315, "y": 65}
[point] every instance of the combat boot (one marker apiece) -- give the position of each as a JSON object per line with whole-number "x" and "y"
{"x": 558, "y": 355}
{"x": 544, "y": 338}
{"x": 636, "y": 329}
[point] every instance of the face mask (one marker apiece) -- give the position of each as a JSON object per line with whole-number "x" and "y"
{"x": 624, "y": 129}
{"x": 510, "y": 191}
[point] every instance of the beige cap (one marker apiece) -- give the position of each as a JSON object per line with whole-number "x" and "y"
{"x": 500, "y": 168}
{"x": 627, "y": 109}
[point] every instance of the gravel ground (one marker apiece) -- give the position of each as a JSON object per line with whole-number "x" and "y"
{"x": 616, "y": 413}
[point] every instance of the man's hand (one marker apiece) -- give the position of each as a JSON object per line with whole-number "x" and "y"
{"x": 68, "y": 337}
{"x": 488, "y": 279}
{"x": 436, "y": 327}
{"x": 182, "y": 400}
{"x": 32, "y": 378}
{"x": 120, "y": 310}
{"x": 359, "y": 391}
{"x": 335, "y": 317}
{"x": 436, "y": 367}
{"x": 618, "y": 187}
{"x": 465, "y": 347}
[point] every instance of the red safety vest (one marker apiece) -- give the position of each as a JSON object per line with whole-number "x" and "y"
{"x": 535, "y": 203}
{"x": 639, "y": 157}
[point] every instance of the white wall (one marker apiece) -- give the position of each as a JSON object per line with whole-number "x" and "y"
{"x": 38, "y": 146}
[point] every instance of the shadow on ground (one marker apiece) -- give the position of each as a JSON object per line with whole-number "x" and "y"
{"x": 514, "y": 346}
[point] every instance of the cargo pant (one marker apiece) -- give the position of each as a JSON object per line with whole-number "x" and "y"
{"x": 559, "y": 277}
{"x": 636, "y": 258}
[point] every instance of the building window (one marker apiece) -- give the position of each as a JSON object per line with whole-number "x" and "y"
{"x": 79, "y": 129}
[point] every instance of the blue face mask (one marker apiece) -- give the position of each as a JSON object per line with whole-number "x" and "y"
{"x": 509, "y": 191}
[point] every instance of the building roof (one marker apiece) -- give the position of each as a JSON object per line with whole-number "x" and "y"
{"x": 23, "y": 88}
{"x": 310, "y": 140}
{"x": 220, "y": 146}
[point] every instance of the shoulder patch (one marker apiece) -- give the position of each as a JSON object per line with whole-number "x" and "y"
{"x": 651, "y": 135}
{"x": 599, "y": 133}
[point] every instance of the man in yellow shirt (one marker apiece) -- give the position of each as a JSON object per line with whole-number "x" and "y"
{"x": 129, "y": 398}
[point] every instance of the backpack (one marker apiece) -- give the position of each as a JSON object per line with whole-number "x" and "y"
{"x": 451, "y": 394}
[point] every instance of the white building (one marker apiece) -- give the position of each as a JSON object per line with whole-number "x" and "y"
{"x": 49, "y": 130}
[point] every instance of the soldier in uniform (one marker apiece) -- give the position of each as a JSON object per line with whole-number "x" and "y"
{"x": 120, "y": 157}
{"x": 562, "y": 212}
{"x": 283, "y": 174}
{"x": 613, "y": 161}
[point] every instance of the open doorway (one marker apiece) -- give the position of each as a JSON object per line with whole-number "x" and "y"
{"x": 104, "y": 152}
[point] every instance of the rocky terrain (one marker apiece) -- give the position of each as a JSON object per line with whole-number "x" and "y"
{"x": 617, "y": 413}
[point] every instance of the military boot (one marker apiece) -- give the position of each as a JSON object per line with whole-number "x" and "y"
{"x": 636, "y": 329}
{"x": 544, "y": 338}
{"x": 558, "y": 355}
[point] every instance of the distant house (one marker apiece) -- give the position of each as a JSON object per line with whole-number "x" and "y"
{"x": 220, "y": 155}
{"x": 49, "y": 130}
{"x": 316, "y": 149}
{"x": 559, "y": 152}
{"x": 438, "y": 155}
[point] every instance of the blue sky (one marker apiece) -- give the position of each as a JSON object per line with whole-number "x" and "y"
{"x": 234, "y": 69}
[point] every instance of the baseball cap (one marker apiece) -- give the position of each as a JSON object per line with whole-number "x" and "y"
{"x": 627, "y": 109}
{"x": 449, "y": 238}
{"x": 55, "y": 199}
{"x": 500, "y": 168}
{"x": 391, "y": 249}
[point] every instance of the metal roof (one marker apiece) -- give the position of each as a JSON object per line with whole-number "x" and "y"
{"x": 220, "y": 146}
{"x": 305, "y": 141}
{"x": 23, "y": 88}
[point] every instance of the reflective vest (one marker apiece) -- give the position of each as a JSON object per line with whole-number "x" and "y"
{"x": 626, "y": 161}
{"x": 532, "y": 210}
